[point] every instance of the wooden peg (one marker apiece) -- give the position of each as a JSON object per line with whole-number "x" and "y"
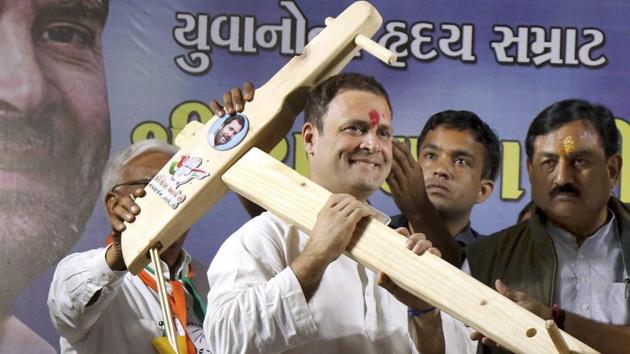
{"x": 382, "y": 53}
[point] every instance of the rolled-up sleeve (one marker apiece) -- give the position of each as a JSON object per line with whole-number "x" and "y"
{"x": 77, "y": 279}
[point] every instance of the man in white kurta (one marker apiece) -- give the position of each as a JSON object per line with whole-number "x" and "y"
{"x": 276, "y": 290}
{"x": 256, "y": 303}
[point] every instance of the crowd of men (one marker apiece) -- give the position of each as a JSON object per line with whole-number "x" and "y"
{"x": 272, "y": 288}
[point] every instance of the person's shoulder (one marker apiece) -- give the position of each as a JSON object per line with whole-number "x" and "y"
{"x": 264, "y": 241}
{"x": 266, "y": 222}
{"x": 620, "y": 208}
{"x": 264, "y": 230}
{"x": 500, "y": 237}
{"x": 90, "y": 254}
{"x": 510, "y": 230}
{"x": 491, "y": 253}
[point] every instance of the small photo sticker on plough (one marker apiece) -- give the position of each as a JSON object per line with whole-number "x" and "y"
{"x": 228, "y": 131}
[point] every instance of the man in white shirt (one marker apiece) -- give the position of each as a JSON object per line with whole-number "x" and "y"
{"x": 274, "y": 289}
{"x": 99, "y": 307}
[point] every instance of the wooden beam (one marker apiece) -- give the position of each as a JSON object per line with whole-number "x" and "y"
{"x": 297, "y": 200}
{"x": 170, "y": 207}
{"x": 556, "y": 337}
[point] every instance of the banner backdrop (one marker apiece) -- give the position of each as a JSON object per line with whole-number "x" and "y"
{"x": 161, "y": 63}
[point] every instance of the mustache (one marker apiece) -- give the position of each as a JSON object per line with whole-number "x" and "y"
{"x": 565, "y": 189}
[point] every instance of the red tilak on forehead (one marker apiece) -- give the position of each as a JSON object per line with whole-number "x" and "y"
{"x": 374, "y": 117}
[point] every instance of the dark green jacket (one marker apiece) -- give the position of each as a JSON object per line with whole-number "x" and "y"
{"x": 523, "y": 256}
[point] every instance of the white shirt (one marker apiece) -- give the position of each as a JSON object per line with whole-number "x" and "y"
{"x": 590, "y": 279}
{"x": 256, "y": 304}
{"x": 125, "y": 318}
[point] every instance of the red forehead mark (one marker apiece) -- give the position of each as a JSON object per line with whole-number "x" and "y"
{"x": 374, "y": 117}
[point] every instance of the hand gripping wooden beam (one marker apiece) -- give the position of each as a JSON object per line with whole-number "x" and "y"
{"x": 297, "y": 200}
{"x": 190, "y": 183}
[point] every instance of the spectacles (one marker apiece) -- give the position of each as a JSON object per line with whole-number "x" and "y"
{"x": 136, "y": 182}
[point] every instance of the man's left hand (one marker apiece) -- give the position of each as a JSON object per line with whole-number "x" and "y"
{"x": 527, "y": 302}
{"x": 524, "y": 300}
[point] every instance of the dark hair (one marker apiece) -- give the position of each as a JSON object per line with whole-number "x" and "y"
{"x": 237, "y": 118}
{"x": 571, "y": 110}
{"x": 320, "y": 96}
{"x": 483, "y": 134}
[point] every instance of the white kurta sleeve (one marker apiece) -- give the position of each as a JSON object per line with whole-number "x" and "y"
{"x": 77, "y": 278}
{"x": 255, "y": 303}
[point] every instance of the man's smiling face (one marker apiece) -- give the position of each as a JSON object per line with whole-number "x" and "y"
{"x": 353, "y": 153}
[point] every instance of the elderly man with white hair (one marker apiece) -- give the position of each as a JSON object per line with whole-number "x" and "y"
{"x": 96, "y": 305}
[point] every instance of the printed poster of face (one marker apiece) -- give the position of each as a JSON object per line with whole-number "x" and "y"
{"x": 228, "y": 131}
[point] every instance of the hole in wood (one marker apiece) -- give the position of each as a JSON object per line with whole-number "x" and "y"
{"x": 303, "y": 184}
{"x": 531, "y": 332}
{"x": 483, "y": 302}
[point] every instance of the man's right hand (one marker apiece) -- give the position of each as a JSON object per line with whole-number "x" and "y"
{"x": 124, "y": 209}
{"x": 333, "y": 230}
{"x": 335, "y": 225}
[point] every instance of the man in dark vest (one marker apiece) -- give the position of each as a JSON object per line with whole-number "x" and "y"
{"x": 569, "y": 261}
